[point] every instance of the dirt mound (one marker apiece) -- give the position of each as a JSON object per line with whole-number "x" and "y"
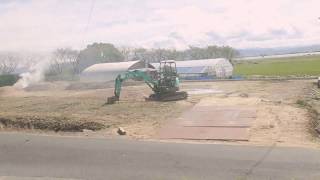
{"x": 50, "y": 123}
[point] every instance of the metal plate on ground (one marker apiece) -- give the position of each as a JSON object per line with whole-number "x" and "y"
{"x": 211, "y": 122}
{"x": 218, "y": 117}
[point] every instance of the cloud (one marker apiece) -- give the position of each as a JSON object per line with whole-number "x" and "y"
{"x": 49, "y": 24}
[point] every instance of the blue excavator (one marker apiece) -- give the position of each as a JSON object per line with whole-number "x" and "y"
{"x": 164, "y": 82}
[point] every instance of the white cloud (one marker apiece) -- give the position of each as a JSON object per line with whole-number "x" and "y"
{"x": 48, "y": 24}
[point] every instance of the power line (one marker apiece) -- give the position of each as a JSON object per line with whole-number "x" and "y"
{"x": 88, "y": 20}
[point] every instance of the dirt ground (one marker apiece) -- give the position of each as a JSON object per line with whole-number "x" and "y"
{"x": 280, "y": 120}
{"x": 49, "y": 106}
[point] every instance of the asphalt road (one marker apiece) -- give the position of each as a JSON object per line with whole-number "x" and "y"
{"x": 30, "y": 156}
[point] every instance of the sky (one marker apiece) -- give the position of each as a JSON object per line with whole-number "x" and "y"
{"x": 44, "y": 25}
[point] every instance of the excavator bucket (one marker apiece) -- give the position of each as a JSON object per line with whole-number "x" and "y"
{"x": 112, "y": 99}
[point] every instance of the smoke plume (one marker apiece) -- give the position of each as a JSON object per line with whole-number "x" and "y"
{"x": 34, "y": 75}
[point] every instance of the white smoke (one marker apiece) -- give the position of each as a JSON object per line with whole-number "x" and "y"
{"x": 35, "y": 74}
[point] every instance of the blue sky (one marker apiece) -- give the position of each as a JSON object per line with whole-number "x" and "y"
{"x": 48, "y": 24}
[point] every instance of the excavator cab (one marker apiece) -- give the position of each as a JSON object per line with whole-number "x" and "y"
{"x": 168, "y": 76}
{"x": 168, "y": 83}
{"x": 168, "y": 67}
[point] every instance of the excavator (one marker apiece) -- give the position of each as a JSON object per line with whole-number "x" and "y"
{"x": 164, "y": 82}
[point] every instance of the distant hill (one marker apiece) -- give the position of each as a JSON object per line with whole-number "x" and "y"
{"x": 277, "y": 51}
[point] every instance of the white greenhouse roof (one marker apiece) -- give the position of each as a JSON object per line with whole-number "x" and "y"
{"x": 197, "y": 63}
{"x": 200, "y": 62}
{"x": 117, "y": 66}
{"x": 124, "y": 66}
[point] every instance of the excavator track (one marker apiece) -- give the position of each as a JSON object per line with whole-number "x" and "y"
{"x": 174, "y": 96}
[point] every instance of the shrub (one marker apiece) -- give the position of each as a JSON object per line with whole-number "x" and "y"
{"x": 8, "y": 79}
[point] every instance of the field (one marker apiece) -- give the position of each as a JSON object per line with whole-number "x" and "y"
{"x": 60, "y": 108}
{"x": 291, "y": 66}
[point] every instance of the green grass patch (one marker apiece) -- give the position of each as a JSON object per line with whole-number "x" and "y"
{"x": 296, "y": 66}
{"x": 302, "y": 103}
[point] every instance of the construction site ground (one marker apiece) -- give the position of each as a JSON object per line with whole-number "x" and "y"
{"x": 79, "y": 109}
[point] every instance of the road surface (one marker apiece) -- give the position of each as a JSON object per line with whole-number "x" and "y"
{"x": 47, "y": 157}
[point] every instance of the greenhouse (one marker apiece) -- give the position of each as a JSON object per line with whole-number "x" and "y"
{"x": 109, "y": 71}
{"x": 191, "y": 69}
{"x": 203, "y": 69}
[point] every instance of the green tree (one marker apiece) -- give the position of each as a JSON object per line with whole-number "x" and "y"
{"x": 229, "y": 53}
{"x": 210, "y": 52}
{"x": 99, "y": 53}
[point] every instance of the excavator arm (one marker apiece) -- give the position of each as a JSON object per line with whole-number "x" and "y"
{"x": 135, "y": 74}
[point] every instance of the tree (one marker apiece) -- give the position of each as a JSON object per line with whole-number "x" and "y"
{"x": 209, "y": 52}
{"x": 126, "y": 52}
{"x": 64, "y": 63}
{"x": 56, "y": 63}
{"x": 154, "y": 55}
{"x": 71, "y": 58}
{"x": 229, "y": 53}
{"x": 213, "y": 51}
{"x": 8, "y": 63}
{"x": 30, "y": 60}
{"x": 139, "y": 54}
{"x": 165, "y": 54}
{"x": 196, "y": 53}
{"x": 99, "y": 53}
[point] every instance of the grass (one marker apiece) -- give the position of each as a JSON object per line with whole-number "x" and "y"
{"x": 302, "y": 103}
{"x": 296, "y": 66}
